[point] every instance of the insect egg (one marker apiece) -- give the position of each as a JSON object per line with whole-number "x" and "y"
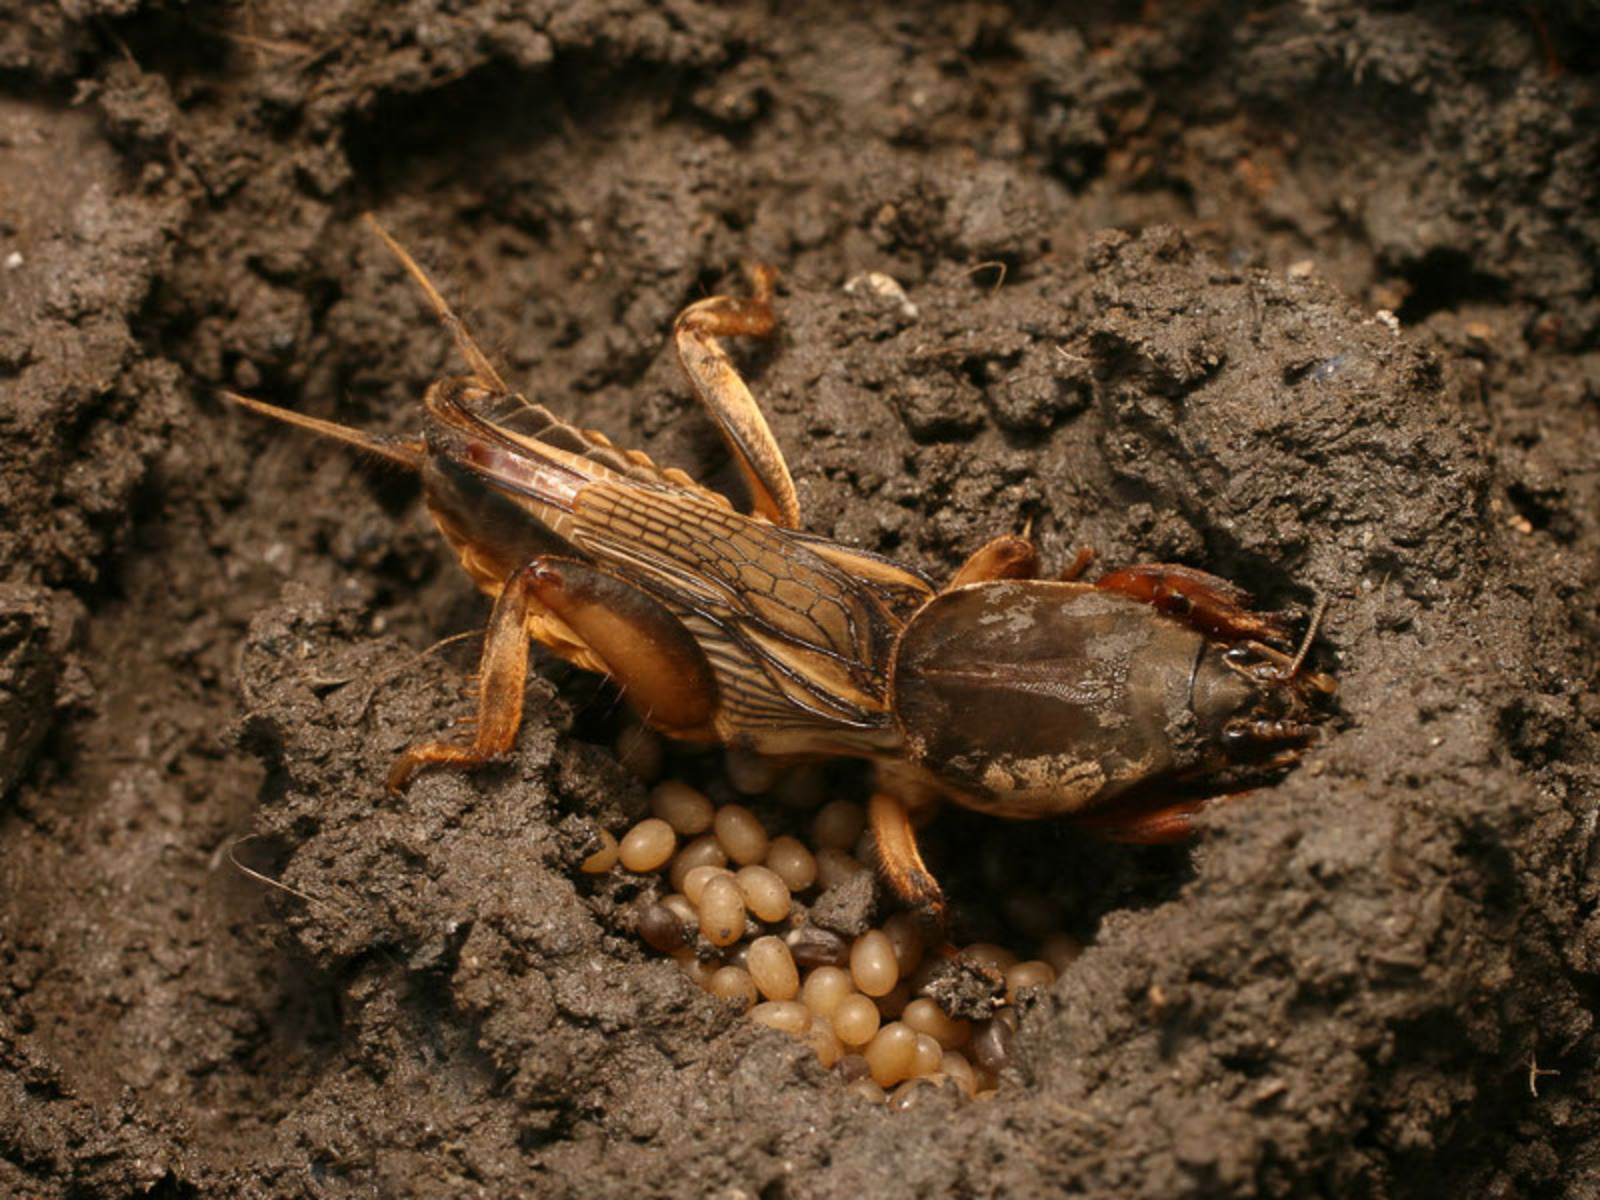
{"x": 824, "y": 989}
{"x": 740, "y": 834}
{"x": 640, "y": 752}
{"x": 1031, "y": 974}
{"x": 823, "y": 1041}
{"x": 681, "y": 806}
{"x": 787, "y": 1016}
{"x": 872, "y": 963}
{"x": 765, "y": 894}
{"x": 694, "y": 883}
{"x": 838, "y": 825}
{"x": 856, "y": 1019}
{"x": 891, "y": 1054}
{"x": 648, "y": 845}
{"x": 603, "y": 859}
{"x": 857, "y": 1003}
{"x": 789, "y": 859}
{"x": 733, "y": 983}
{"x": 772, "y": 967}
{"x": 722, "y": 912}
{"x": 662, "y": 928}
{"x": 703, "y": 851}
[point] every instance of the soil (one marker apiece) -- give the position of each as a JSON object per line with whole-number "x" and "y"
{"x": 1301, "y": 294}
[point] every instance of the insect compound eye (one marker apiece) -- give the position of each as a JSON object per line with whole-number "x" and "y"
{"x": 1173, "y": 603}
{"x": 1237, "y": 740}
{"x": 1243, "y": 658}
{"x": 1254, "y": 662}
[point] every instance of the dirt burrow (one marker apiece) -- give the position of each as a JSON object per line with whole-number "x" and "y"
{"x": 1348, "y": 351}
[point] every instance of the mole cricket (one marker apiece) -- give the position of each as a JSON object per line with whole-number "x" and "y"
{"x": 1124, "y": 703}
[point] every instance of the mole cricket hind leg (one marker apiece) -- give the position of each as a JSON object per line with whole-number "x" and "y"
{"x": 609, "y": 625}
{"x": 1005, "y": 557}
{"x": 502, "y": 674}
{"x": 726, "y": 398}
{"x": 1210, "y": 605}
{"x": 635, "y": 641}
{"x": 900, "y": 860}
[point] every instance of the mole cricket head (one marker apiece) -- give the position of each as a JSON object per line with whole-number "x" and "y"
{"x": 1256, "y": 703}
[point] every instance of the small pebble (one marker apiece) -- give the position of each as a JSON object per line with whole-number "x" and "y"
{"x": 648, "y": 845}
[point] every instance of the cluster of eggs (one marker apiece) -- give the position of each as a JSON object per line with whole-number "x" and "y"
{"x": 737, "y": 918}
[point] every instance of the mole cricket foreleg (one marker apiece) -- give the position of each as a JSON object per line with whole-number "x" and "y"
{"x": 502, "y": 674}
{"x": 1207, "y": 604}
{"x": 1151, "y": 823}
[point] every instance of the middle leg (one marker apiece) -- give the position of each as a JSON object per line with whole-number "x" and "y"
{"x": 899, "y": 858}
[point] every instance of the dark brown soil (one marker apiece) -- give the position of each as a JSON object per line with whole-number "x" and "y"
{"x": 1303, "y": 294}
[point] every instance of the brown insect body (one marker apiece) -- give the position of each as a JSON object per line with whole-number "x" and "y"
{"x": 1032, "y": 698}
{"x": 1009, "y": 694}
